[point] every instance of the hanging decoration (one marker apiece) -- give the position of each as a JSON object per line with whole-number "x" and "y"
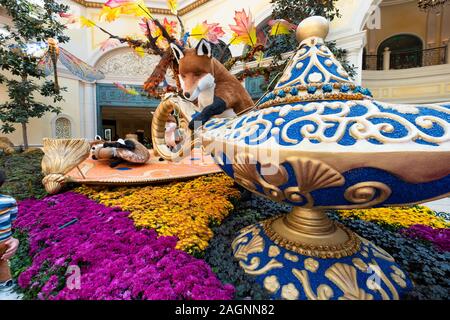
{"x": 435, "y": 6}
{"x": 158, "y": 34}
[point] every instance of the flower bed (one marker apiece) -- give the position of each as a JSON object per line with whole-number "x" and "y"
{"x": 183, "y": 209}
{"x": 116, "y": 261}
{"x": 398, "y": 217}
{"x": 440, "y": 238}
{"x": 119, "y": 262}
{"x": 417, "y": 222}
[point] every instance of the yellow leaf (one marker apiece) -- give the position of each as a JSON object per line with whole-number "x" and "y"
{"x": 235, "y": 40}
{"x": 253, "y": 37}
{"x": 141, "y": 10}
{"x": 248, "y": 39}
{"x": 86, "y": 22}
{"x": 200, "y": 31}
{"x": 279, "y": 28}
{"x": 173, "y": 6}
{"x": 110, "y": 14}
{"x": 132, "y": 91}
{"x": 259, "y": 56}
{"x": 140, "y": 51}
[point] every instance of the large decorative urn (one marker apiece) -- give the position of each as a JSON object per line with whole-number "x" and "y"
{"x": 319, "y": 142}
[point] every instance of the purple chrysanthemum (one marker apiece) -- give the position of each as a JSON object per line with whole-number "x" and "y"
{"x": 116, "y": 261}
{"x": 439, "y": 237}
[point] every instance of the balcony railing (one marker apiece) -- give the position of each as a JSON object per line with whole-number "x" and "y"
{"x": 406, "y": 59}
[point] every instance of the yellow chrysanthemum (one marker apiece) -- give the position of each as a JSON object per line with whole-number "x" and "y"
{"x": 182, "y": 209}
{"x": 402, "y": 217}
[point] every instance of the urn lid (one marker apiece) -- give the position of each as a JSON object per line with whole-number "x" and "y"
{"x": 316, "y": 107}
{"x": 313, "y": 73}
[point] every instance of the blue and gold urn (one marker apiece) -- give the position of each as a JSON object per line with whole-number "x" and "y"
{"x": 320, "y": 142}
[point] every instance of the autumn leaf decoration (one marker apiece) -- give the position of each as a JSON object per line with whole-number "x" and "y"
{"x": 126, "y": 89}
{"x": 139, "y": 51}
{"x": 109, "y": 43}
{"x": 173, "y": 6}
{"x": 85, "y": 22}
{"x": 281, "y": 26}
{"x": 110, "y": 14}
{"x": 244, "y": 31}
{"x": 68, "y": 18}
{"x": 155, "y": 31}
{"x": 209, "y": 31}
{"x": 114, "y": 8}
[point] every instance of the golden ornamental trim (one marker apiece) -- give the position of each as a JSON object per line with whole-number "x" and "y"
{"x": 311, "y": 98}
{"x": 184, "y": 111}
{"x": 137, "y": 181}
{"x": 162, "y": 11}
{"x": 61, "y": 156}
{"x": 7, "y": 149}
{"x": 310, "y": 175}
{"x": 338, "y": 250}
{"x": 345, "y": 277}
{"x": 324, "y": 292}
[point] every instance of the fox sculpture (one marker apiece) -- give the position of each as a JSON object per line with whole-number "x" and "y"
{"x": 205, "y": 80}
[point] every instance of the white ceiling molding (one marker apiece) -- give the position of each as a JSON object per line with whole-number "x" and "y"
{"x": 387, "y": 3}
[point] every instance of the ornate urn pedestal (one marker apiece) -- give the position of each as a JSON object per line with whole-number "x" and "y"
{"x": 319, "y": 142}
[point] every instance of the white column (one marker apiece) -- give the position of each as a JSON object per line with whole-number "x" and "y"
{"x": 386, "y": 59}
{"x": 446, "y": 24}
{"x": 371, "y": 42}
{"x": 82, "y": 132}
{"x": 431, "y": 30}
{"x": 89, "y": 123}
{"x": 448, "y": 52}
{"x": 354, "y": 44}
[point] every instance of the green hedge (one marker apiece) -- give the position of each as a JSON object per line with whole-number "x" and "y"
{"x": 219, "y": 255}
{"x": 23, "y": 175}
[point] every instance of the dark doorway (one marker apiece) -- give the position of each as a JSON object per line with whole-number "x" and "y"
{"x": 127, "y": 120}
{"x": 406, "y": 51}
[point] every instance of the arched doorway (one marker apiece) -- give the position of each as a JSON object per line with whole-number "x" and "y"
{"x": 119, "y": 113}
{"x": 406, "y": 51}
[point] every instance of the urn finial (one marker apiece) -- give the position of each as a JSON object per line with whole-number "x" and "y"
{"x": 315, "y": 26}
{"x": 313, "y": 73}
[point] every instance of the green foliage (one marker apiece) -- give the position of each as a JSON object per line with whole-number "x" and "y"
{"x": 341, "y": 56}
{"x": 23, "y": 175}
{"x": 219, "y": 255}
{"x": 295, "y": 11}
{"x": 31, "y": 23}
{"x": 22, "y": 259}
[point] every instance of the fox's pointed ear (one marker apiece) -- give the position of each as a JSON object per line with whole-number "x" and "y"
{"x": 177, "y": 51}
{"x": 204, "y": 48}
